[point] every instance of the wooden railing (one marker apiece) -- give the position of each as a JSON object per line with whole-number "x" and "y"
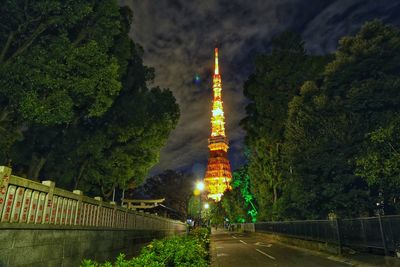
{"x": 24, "y": 201}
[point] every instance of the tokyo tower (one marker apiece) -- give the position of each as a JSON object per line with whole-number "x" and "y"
{"x": 218, "y": 175}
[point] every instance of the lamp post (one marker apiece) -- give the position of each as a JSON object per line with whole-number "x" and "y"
{"x": 206, "y": 207}
{"x": 200, "y": 187}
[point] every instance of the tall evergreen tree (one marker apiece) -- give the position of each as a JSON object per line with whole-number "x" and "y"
{"x": 277, "y": 79}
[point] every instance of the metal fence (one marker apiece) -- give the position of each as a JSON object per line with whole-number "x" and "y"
{"x": 382, "y": 232}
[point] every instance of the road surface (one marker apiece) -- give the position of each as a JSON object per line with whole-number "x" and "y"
{"x": 238, "y": 249}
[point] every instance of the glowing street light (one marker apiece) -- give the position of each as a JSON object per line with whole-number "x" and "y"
{"x": 200, "y": 186}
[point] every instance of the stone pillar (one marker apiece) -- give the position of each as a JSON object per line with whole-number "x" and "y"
{"x": 48, "y": 204}
{"x": 78, "y": 207}
{"x": 9, "y": 199}
{"x": 5, "y": 174}
{"x": 126, "y": 215}
{"x": 114, "y": 212}
{"x": 26, "y": 202}
{"x": 33, "y": 207}
{"x": 16, "y": 210}
{"x": 40, "y": 208}
{"x": 98, "y": 219}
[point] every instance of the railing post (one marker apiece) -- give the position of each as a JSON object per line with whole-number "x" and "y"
{"x": 49, "y": 201}
{"x": 40, "y": 208}
{"x": 339, "y": 239}
{"x": 383, "y": 235}
{"x": 5, "y": 173}
{"x": 126, "y": 215}
{"x": 78, "y": 207}
{"x": 16, "y": 210}
{"x": 113, "y": 219}
{"x": 364, "y": 236}
{"x": 98, "y": 213}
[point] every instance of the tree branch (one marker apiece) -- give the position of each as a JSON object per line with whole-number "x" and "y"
{"x": 6, "y": 46}
{"x": 40, "y": 29}
{"x": 12, "y": 35}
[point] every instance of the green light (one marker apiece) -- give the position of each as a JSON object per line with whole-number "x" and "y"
{"x": 241, "y": 180}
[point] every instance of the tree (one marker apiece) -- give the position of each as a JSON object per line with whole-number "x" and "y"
{"x": 277, "y": 79}
{"x": 379, "y": 165}
{"x": 55, "y": 68}
{"x": 332, "y": 118}
{"x": 175, "y": 187}
{"x": 239, "y": 203}
{"x": 217, "y": 214}
{"x": 76, "y": 105}
{"x": 233, "y": 206}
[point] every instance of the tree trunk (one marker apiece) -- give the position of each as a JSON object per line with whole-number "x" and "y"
{"x": 82, "y": 167}
{"x": 35, "y": 166}
{"x": 6, "y": 46}
{"x": 106, "y": 195}
{"x": 275, "y": 194}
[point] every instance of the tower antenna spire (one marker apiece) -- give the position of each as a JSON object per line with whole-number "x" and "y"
{"x": 216, "y": 65}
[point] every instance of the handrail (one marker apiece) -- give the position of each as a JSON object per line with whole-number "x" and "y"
{"x": 27, "y": 202}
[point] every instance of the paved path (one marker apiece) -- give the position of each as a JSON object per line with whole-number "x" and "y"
{"x": 237, "y": 249}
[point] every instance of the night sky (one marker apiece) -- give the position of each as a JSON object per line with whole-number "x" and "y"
{"x": 178, "y": 37}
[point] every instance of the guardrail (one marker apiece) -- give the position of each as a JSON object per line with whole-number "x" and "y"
{"x": 381, "y": 232}
{"x": 24, "y": 201}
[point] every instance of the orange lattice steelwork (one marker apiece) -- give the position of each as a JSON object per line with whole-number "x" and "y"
{"x": 218, "y": 175}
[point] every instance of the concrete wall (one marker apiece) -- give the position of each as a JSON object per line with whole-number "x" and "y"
{"x": 297, "y": 242}
{"x": 246, "y": 227}
{"x": 67, "y": 247}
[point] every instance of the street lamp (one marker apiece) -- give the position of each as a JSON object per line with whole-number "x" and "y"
{"x": 206, "y": 207}
{"x": 200, "y": 187}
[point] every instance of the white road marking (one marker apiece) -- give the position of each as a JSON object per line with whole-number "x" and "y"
{"x": 243, "y": 242}
{"x": 219, "y": 247}
{"x": 263, "y": 245}
{"x": 269, "y": 256}
{"x": 222, "y": 255}
{"x": 234, "y": 237}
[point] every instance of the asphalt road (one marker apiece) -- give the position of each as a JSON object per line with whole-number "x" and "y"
{"x": 234, "y": 250}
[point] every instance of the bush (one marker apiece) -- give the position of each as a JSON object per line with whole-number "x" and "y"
{"x": 202, "y": 235}
{"x": 175, "y": 251}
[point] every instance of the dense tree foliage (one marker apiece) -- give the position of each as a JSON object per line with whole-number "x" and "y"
{"x": 378, "y": 164}
{"x": 74, "y": 101}
{"x": 276, "y": 81}
{"x": 322, "y": 130}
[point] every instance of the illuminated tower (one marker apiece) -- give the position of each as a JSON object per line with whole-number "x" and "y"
{"x": 218, "y": 174}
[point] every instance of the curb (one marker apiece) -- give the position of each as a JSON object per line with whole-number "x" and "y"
{"x": 213, "y": 253}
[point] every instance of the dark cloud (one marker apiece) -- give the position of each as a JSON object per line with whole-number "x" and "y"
{"x": 178, "y": 37}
